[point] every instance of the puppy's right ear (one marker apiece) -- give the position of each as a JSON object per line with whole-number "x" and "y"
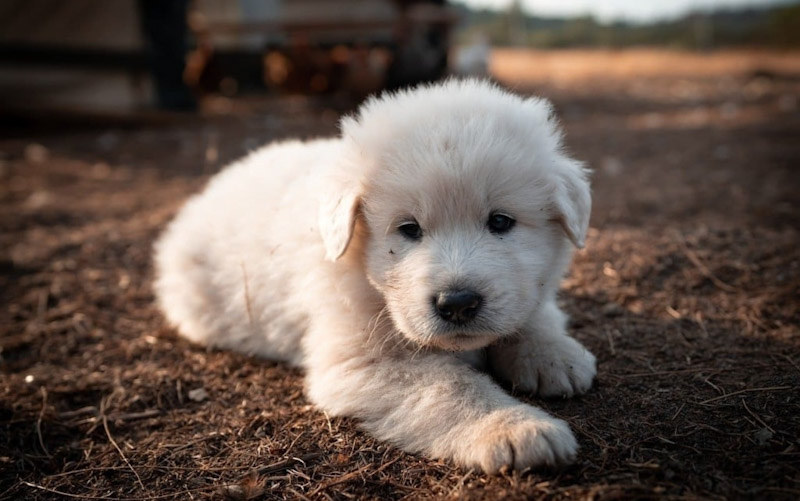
{"x": 573, "y": 201}
{"x": 337, "y": 221}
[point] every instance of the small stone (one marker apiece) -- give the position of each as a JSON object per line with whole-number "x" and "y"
{"x": 613, "y": 310}
{"x": 36, "y": 153}
{"x": 38, "y": 199}
{"x": 763, "y": 436}
{"x": 197, "y": 395}
{"x": 612, "y": 166}
{"x": 787, "y": 102}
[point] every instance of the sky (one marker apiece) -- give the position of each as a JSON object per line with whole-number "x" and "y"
{"x": 611, "y": 10}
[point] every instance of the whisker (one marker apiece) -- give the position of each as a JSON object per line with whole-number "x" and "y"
{"x": 375, "y": 321}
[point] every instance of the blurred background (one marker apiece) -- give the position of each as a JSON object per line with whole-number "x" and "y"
{"x": 112, "y": 113}
{"x": 195, "y": 55}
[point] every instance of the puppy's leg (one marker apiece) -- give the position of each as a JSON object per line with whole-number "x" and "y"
{"x": 544, "y": 359}
{"x": 438, "y": 405}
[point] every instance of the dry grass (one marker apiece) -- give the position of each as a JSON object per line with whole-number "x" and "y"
{"x": 687, "y": 293}
{"x": 574, "y": 67}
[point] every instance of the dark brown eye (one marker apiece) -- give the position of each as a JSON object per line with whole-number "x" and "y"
{"x": 411, "y": 230}
{"x": 500, "y": 223}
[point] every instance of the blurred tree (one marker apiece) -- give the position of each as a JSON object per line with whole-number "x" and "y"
{"x": 752, "y": 26}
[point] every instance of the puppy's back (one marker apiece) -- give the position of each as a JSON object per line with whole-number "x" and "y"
{"x": 227, "y": 267}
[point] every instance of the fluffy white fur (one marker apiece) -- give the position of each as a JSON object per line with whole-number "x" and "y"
{"x": 294, "y": 254}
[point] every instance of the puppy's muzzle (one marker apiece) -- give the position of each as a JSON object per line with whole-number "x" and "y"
{"x": 457, "y": 307}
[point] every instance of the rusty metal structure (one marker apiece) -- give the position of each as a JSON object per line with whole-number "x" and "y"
{"x": 322, "y": 45}
{"x": 308, "y": 46}
{"x": 229, "y": 46}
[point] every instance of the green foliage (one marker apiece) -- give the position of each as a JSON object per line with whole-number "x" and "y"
{"x": 763, "y": 26}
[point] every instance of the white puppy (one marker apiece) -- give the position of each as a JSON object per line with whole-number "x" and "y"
{"x": 395, "y": 262}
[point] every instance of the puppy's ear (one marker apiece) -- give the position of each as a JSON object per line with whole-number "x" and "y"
{"x": 337, "y": 220}
{"x": 572, "y": 200}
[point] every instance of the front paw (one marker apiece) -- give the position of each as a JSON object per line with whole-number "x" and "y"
{"x": 519, "y": 437}
{"x": 554, "y": 367}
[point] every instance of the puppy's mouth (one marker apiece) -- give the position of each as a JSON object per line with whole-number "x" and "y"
{"x": 436, "y": 333}
{"x": 474, "y": 334}
{"x": 462, "y": 342}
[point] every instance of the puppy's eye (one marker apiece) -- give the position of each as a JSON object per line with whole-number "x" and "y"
{"x": 410, "y": 230}
{"x": 500, "y": 223}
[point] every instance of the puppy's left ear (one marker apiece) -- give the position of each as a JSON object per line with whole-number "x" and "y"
{"x": 572, "y": 200}
{"x": 337, "y": 221}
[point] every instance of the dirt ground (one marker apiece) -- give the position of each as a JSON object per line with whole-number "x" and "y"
{"x": 687, "y": 292}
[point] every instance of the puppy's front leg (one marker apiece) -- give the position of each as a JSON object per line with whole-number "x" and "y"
{"x": 544, "y": 359}
{"x": 439, "y": 406}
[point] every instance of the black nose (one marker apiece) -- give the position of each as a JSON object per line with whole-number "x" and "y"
{"x": 457, "y": 306}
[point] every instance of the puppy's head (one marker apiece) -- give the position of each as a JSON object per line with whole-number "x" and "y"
{"x": 469, "y": 207}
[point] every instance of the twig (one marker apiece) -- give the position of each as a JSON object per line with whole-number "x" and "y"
{"x": 119, "y": 416}
{"x": 295, "y": 471}
{"x": 709, "y": 383}
{"x": 132, "y": 416}
{"x": 703, "y": 268}
{"x": 765, "y": 425}
{"x": 153, "y": 467}
{"x": 349, "y": 476}
{"x": 39, "y": 421}
{"x": 399, "y": 486}
{"x": 114, "y": 443}
{"x": 70, "y": 495}
{"x": 340, "y": 479}
{"x": 677, "y": 412}
{"x": 788, "y": 359}
{"x": 676, "y": 371}
{"x": 460, "y": 483}
{"x": 328, "y": 419}
{"x": 91, "y": 409}
{"x": 748, "y": 390}
{"x": 298, "y": 495}
{"x": 179, "y": 447}
{"x": 276, "y": 478}
{"x": 286, "y": 463}
{"x": 294, "y": 442}
{"x": 108, "y": 498}
{"x": 610, "y": 338}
